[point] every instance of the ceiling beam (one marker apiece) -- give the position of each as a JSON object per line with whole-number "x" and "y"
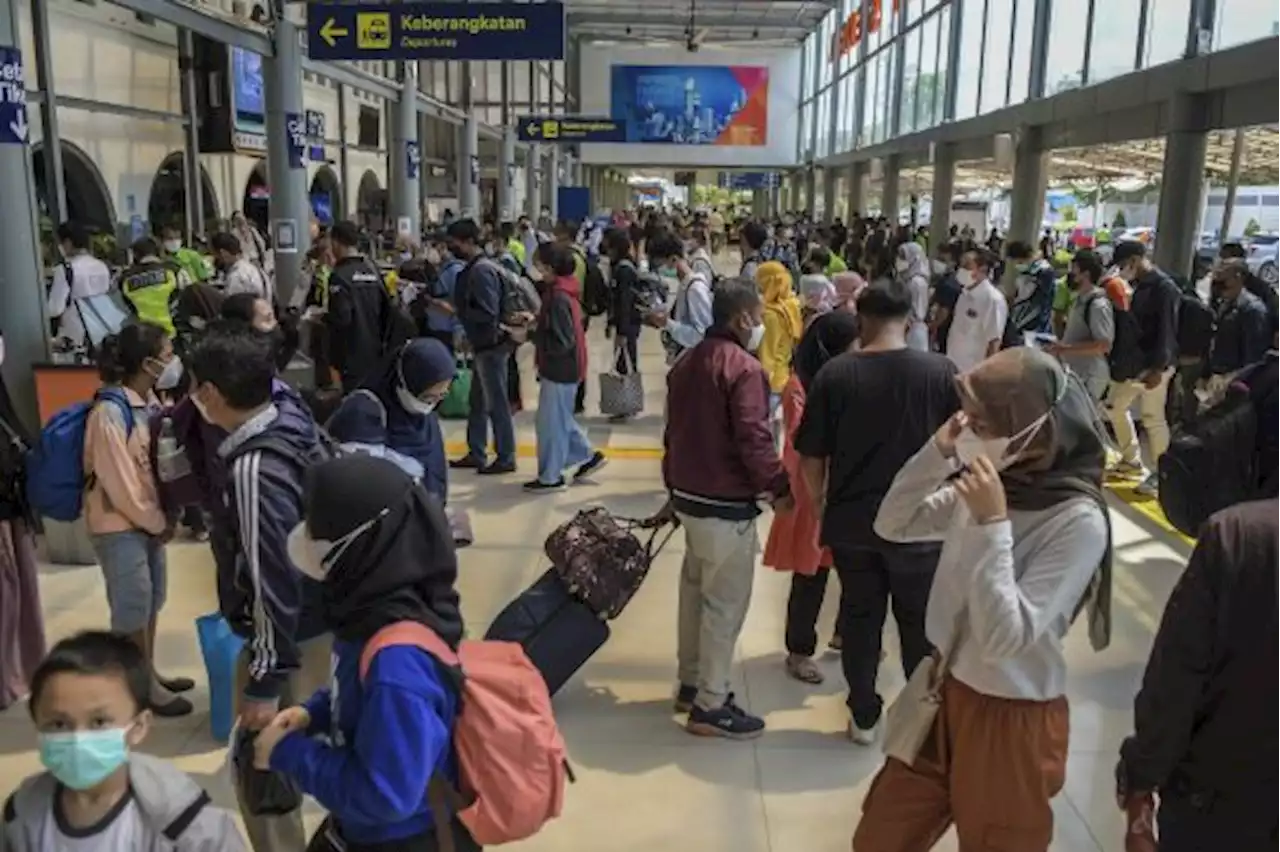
{"x": 637, "y": 19}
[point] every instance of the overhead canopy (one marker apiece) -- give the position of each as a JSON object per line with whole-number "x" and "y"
{"x": 702, "y": 22}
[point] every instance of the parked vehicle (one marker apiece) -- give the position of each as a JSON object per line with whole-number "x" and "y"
{"x": 1262, "y": 259}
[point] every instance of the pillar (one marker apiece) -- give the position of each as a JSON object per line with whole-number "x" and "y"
{"x": 344, "y": 170}
{"x": 22, "y": 303}
{"x": 287, "y": 172}
{"x": 552, "y": 183}
{"x": 857, "y": 190}
{"x": 51, "y": 149}
{"x": 810, "y": 189}
{"x": 193, "y": 197}
{"x": 1030, "y": 179}
{"x": 889, "y": 199}
{"x": 507, "y": 176}
{"x": 1178, "y": 214}
{"x": 406, "y": 158}
{"x": 468, "y": 153}
{"x": 944, "y": 189}
{"x": 828, "y": 195}
{"x": 532, "y": 182}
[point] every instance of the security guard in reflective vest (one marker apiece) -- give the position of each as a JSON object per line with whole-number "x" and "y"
{"x": 150, "y": 283}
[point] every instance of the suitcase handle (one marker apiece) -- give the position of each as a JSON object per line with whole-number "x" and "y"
{"x": 631, "y": 524}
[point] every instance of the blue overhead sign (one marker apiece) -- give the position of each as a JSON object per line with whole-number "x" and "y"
{"x": 390, "y": 31}
{"x": 570, "y": 129}
{"x": 748, "y": 180}
{"x": 14, "y": 129}
{"x": 315, "y": 136}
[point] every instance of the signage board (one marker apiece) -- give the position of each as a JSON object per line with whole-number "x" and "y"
{"x": 14, "y": 129}
{"x": 568, "y": 129}
{"x": 315, "y": 136}
{"x": 297, "y": 142}
{"x": 284, "y": 233}
{"x": 458, "y": 31}
{"x": 748, "y": 180}
{"x": 473, "y": 173}
{"x": 412, "y": 159}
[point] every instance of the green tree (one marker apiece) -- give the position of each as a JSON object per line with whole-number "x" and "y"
{"x": 1068, "y": 212}
{"x": 1119, "y": 221}
{"x": 1252, "y": 228}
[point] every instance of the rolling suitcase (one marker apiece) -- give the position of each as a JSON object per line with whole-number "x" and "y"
{"x": 558, "y": 633}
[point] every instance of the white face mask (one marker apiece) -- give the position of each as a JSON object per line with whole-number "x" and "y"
{"x": 412, "y": 404}
{"x": 969, "y": 446}
{"x": 756, "y": 337}
{"x": 170, "y": 375}
{"x": 314, "y": 557}
{"x": 901, "y": 265}
{"x": 172, "y": 246}
{"x": 964, "y": 278}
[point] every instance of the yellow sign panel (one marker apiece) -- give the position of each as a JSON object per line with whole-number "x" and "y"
{"x": 550, "y": 130}
{"x": 373, "y": 30}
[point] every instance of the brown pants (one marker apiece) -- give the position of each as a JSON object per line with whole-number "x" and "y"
{"x": 990, "y": 766}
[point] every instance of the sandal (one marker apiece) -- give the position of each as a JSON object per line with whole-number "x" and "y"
{"x": 804, "y": 670}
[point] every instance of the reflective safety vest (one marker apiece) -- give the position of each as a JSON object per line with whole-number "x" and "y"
{"x": 148, "y": 286}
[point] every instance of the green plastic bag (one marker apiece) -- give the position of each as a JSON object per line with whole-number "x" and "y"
{"x": 457, "y": 402}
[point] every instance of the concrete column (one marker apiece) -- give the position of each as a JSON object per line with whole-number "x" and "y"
{"x": 55, "y": 184}
{"x": 828, "y": 195}
{"x": 193, "y": 197}
{"x": 1030, "y": 179}
{"x": 552, "y": 183}
{"x": 468, "y": 153}
{"x": 344, "y": 170}
{"x": 944, "y": 188}
{"x": 1178, "y": 214}
{"x": 532, "y": 181}
{"x": 507, "y": 176}
{"x": 290, "y": 209}
{"x": 22, "y": 304}
{"x": 406, "y": 157}
{"x": 857, "y": 190}
{"x": 889, "y": 199}
{"x": 811, "y": 189}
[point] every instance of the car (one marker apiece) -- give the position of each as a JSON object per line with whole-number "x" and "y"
{"x": 1147, "y": 236}
{"x": 1264, "y": 250}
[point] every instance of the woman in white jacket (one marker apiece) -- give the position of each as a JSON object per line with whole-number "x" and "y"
{"x": 1012, "y": 488}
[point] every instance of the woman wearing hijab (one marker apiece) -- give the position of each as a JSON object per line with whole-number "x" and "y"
{"x": 367, "y": 747}
{"x": 817, "y": 297}
{"x": 912, "y": 269}
{"x": 782, "y": 324}
{"x": 396, "y": 409}
{"x": 847, "y": 285}
{"x": 1012, "y": 487}
{"x": 793, "y": 536}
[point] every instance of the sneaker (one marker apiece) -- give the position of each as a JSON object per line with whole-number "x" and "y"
{"x": 467, "y": 463}
{"x": 1148, "y": 487}
{"x": 1127, "y": 469}
{"x": 537, "y": 486}
{"x": 497, "y": 468}
{"x": 863, "y": 736}
{"x": 684, "y": 697}
{"x": 729, "y": 721}
{"x": 592, "y": 465}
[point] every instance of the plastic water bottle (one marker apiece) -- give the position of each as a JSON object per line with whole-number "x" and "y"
{"x": 171, "y": 457}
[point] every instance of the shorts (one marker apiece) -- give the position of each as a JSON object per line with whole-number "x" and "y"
{"x": 133, "y": 567}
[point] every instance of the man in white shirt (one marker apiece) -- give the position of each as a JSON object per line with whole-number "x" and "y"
{"x": 239, "y": 274}
{"x": 81, "y": 276}
{"x": 977, "y": 324}
{"x": 689, "y": 317}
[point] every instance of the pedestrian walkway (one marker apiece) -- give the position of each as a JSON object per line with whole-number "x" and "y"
{"x": 643, "y": 783}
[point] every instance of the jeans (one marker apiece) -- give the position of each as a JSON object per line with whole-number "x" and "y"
{"x": 1151, "y": 404}
{"x": 715, "y": 591}
{"x": 133, "y": 568}
{"x": 869, "y": 580}
{"x": 489, "y": 404}
{"x": 562, "y": 442}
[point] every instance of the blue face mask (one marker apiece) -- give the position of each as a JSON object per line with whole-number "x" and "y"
{"x": 82, "y": 759}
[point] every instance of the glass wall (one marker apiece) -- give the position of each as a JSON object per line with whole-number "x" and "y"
{"x": 1113, "y": 49}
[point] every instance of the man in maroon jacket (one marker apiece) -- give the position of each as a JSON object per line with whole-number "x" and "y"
{"x": 720, "y": 462}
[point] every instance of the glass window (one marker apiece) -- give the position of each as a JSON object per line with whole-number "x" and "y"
{"x": 911, "y": 73}
{"x": 970, "y": 59}
{"x": 1245, "y": 20}
{"x": 824, "y": 49}
{"x": 888, "y": 76}
{"x": 1020, "y": 75}
{"x": 1247, "y": 201}
{"x": 1064, "y": 66}
{"x": 927, "y": 80}
{"x": 875, "y": 102}
{"x": 940, "y": 81}
{"x": 995, "y": 70}
{"x": 1271, "y": 201}
{"x": 1167, "y": 23}
{"x": 1115, "y": 35}
{"x": 824, "y": 125}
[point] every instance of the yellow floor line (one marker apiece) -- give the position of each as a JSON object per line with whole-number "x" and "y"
{"x": 1148, "y": 506}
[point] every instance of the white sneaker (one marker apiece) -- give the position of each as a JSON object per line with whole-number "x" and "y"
{"x": 1128, "y": 470}
{"x": 863, "y": 736}
{"x": 1149, "y": 486}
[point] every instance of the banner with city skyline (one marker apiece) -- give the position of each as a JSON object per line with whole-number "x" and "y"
{"x": 692, "y": 104}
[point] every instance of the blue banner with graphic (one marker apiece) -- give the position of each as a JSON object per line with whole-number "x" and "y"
{"x": 748, "y": 180}
{"x": 296, "y": 142}
{"x": 14, "y": 129}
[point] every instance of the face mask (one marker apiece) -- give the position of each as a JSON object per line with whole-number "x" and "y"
{"x": 82, "y": 759}
{"x": 964, "y": 278}
{"x": 901, "y": 265}
{"x": 938, "y": 267}
{"x": 172, "y": 246}
{"x": 969, "y": 446}
{"x": 755, "y": 338}
{"x": 668, "y": 272}
{"x": 314, "y": 557}
{"x": 412, "y": 404}
{"x": 170, "y": 375}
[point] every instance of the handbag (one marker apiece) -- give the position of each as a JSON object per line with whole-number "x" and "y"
{"x": 621, "y": 394}
{"x": 909, "y": 719}
{"x": 601, "y": 560}
{"x": 457, "y": 401}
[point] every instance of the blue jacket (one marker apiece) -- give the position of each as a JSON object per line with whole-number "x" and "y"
{"x": 443, "y": 288}
{"x": 369, "y": 418}
{"x": 387, "y": 736}
{"x": 477, "y": 296}
{"x": 266, "y": 599}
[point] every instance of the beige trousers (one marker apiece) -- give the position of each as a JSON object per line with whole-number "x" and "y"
{"x": 1120, "y": 397}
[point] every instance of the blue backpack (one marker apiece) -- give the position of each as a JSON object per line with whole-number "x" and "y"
{"x": 56, "y": 481}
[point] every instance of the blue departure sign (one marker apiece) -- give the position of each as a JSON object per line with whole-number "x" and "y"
{"x": 748, "y": 180}
{"x": 14, "y": 129}
{"x": 315, "y": 136}
{"x": 511, "y": 31}
{"x": 570, "y": 129}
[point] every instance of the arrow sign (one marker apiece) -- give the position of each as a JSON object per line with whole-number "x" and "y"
{"x": 532, "y": 129}
{"x": 570, "y": 129}
{"x": 331, "y": 32}
{"x": 14, "y": 129}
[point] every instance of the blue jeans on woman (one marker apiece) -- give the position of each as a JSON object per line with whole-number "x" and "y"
{"x": 562, "y": 442}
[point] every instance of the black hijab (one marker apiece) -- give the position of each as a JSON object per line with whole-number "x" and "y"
{"x": 829, "y": 335}
{"x": 401, "y": 567}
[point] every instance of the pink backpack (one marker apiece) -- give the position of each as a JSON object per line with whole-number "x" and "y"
{"x": 511, "y": 757}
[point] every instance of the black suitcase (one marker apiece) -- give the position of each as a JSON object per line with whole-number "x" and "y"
{"x": 558, "y": 632}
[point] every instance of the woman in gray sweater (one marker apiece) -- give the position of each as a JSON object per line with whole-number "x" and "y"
{"x": 1011, "y": 486}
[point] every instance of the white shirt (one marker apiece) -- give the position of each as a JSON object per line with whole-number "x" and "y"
{"x": 245, "y": 277}
{"x": 979, "y": 318}
{"x": 691, "y": 314}
{"x": 125, "y": 831}
{"x": 89, "y": 277}
{"x": 1017, "y": 582}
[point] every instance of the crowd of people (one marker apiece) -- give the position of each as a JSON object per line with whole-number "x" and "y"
{"x": 933, "y": 425}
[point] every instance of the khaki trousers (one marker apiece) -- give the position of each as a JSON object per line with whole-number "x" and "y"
{"x": 286, "y": 833}
{"x": 1151, "y": 403}
{"x": 990, "y": 766}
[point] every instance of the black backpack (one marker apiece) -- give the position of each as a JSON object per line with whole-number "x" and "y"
{"x": 1195, "y": 326}
{"x": 1212, "y": 463}
{"x": 1125, "y": 358}
{"x": 595, "y": 289}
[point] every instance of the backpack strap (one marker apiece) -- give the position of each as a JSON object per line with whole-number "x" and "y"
{"x": 175, "y": 829}
{"x": 117, "y": 398}
{"x": 409, "y": 633}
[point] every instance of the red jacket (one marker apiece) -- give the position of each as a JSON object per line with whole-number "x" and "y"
{"x": 720, "y": 456}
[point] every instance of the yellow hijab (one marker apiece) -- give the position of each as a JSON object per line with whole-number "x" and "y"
{"x": 774, "y": 281}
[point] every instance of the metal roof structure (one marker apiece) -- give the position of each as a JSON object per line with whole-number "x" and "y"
{"x": 697, "y": 22}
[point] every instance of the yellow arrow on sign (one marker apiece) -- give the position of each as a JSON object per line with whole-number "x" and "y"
{"x": 331, "y": 32}
{"x": 533, "y": 128}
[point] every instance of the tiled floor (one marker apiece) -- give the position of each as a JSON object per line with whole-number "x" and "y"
{"x": 643, "y": 784}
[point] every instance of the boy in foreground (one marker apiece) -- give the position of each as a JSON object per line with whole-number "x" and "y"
{"x": 88, "y": 700}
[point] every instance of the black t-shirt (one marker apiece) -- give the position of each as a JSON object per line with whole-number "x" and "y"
{"x": 868, "y": 413}
{"x": 945, "y": 295}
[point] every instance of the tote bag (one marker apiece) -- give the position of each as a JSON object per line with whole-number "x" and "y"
{"x": 910, "y": 718}
{"x": 621, "y": 394}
